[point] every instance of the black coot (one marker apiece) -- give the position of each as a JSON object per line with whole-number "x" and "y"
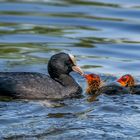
{"x": 31, "y": 85}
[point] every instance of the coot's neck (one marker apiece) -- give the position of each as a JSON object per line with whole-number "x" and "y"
{"x": 66, "y": 80}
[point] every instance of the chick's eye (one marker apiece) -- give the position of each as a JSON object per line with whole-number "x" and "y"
{"x": 124, "y": 79}
{"x": 92, "y": 76}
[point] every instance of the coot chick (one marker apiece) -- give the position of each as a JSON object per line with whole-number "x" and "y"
{"x": 129, "y": 82}
{"x": 96, "y": 86}
{"x": 31, "y": 85}
{"x": 93, "y": 83}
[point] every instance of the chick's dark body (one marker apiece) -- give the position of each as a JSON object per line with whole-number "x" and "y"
{"x": 135, "y": 89}
{"x": 113, "y": 89}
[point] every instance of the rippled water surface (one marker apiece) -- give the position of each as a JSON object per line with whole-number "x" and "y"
{"x": 105, "y": 37}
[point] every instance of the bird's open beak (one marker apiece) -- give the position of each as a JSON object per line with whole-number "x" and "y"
{"x": 121, "y": 82}
{"x": 87, "y": 77}
{"x": 78, "y": 70}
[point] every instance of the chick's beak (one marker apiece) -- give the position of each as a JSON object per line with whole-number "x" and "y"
{"x": 87, "y": 77}
{"x": 121, "y": 82}
{"x": 78, "y": 70}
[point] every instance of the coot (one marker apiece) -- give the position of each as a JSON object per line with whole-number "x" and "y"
{"x": 96, "y": 86}
{"x": 129, "y": 82}
{"x": 31, "y": 85}
{"x": 93, "y": 83}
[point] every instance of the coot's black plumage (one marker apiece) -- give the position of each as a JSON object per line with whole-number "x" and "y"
{"x": 30, "y": 85}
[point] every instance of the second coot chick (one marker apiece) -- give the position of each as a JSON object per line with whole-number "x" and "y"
{"x": 129, "y": 82}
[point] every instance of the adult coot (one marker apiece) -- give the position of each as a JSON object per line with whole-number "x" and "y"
{"x": 31, "y": 85}
{"x": 129, "y": 82}
{"x": 96, "y": 86}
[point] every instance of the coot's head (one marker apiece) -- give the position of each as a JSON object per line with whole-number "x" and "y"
{"x": 93, "y": 82}
{"x": 62, "y": 63}
{"x": 126, "y": 80}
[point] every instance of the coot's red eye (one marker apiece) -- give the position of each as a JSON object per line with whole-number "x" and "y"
{"x": 70, "y": 61}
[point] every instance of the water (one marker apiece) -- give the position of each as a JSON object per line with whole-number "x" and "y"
{"x": 104, "y": 36}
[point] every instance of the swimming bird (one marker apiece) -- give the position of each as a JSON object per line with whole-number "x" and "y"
{"x": 93, "y": 83}
{"x": 96, "y": 86}
{"x": 129, "y": 82}
{"x": 31, "y": 85}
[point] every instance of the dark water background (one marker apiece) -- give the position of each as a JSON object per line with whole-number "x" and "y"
{"x": 105, "y": 37}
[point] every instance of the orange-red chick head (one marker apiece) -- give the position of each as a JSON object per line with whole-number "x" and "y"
{"x": 93, "y": 82}
{"x": 126, "y": 80}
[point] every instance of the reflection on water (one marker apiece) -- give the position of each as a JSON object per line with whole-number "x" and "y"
{"x": 103, "y": 34}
